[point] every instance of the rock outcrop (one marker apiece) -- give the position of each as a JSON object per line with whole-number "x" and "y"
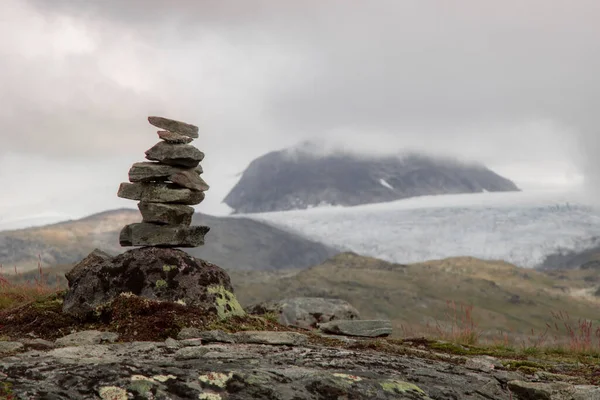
{"x": 166, "y": 188}
{"x": 154, "y": 273}
{"x": 264, "y": 365}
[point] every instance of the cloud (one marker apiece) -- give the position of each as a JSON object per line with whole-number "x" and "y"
{"x": 512, "y": 84}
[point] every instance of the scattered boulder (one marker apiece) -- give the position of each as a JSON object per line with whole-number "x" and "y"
{"x": 362, "y": 328}
{"x": 307, "y": 312}
{"x": 163, "y": 274}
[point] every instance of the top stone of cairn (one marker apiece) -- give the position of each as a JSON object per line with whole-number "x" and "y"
{"x": 175, "y": 126}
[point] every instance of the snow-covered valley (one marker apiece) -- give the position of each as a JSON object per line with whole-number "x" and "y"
{"x": 520, "y": 227}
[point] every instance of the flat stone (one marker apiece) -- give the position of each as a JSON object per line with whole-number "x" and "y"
{"x": 159, "y": 193}
{"x": 270, "y": 338}
{"x": 189, "y": 179}
{"x": 145, "y": 234}
{"x": 84, "y": 338}
{"x": 190, "y": 353}
{"x": 179, "y": 155}
{"x": 152, "y": 171}
{"x": 9, "y": 347}
{"x": 166, "y": 214}
{"x": 362, "y": 328}
{"x": 175, "y": 138}
{"x": 175, "y": 126}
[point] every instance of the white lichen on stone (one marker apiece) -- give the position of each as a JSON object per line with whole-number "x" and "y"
{"x": 163, "y": 378}
{"x": 181, "y": 301}
{"x": 209, "y": 396}
{"x": 352, "y": 378}
{"x": 226, "y": 302}
{"x": 396, "y": 386}
{"x": 141, "y": 378}
{"x": 112, "y": 393}
{"x": 216, "y": 378}
{"x": 127, "y": 294}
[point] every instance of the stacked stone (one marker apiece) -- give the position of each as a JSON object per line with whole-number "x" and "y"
{"x": 166, "y": 187}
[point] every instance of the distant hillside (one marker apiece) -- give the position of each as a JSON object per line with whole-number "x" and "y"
{"x": 505, "y": 297}
{"x": 299, "y": 178}
{"x": 232, "y": 243}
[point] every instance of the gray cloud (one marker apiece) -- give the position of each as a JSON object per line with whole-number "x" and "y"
{"x": 512, "y": 84}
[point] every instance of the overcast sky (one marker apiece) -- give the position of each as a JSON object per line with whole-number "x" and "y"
{"x": 510, "y": 83}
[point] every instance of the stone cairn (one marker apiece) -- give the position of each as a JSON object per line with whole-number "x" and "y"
{"x": 166, "y": 187}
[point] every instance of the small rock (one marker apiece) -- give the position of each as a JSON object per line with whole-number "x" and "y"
{"x": 271, "y": 338}
{"x": 9, "y": 347}
{"x": 172, "y": 137}
{"x": 87, "y": 337}
{"x": 199, "y": 169}
{"x": 39, "y": 344}
{"x": 214, "y": 336}
{"x": 189, "y": 179}
{"x": 363, "y": 328}
{"x": 159, "y": 193}
{"x": 189, "y": 353}
{"x": 179, "y": 155}
{"x": 145, "y": 234}
{"x": 167, "y": 214}
{"x": 174, "y": 126}
{"x": 484, "y": 363}
{"x": 171, "y": 343}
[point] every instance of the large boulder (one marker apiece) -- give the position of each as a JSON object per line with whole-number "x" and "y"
{"x": 162, "y": 274}
{"x": 307, "y": 312}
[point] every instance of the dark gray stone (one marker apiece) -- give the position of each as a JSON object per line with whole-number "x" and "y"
{"x": 189, "y": 179}
{"x": 307, "y": 312}
{"x": 145, "y": 234}
{"x": 199, "y": 169}
{"x": 174, "y": 126}
{"x": 159, "y": 193}
{"x": 94, "y": 258}
{"x": 153, "y": 273}
{"x": 166, "y": 214}
{"x": 175, "y": 138}
{"x": 179, "y": 155}
{"x": 362, "y": 328}
{"x": 152, "y": 171}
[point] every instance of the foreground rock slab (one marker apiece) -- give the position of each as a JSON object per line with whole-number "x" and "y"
{"x": 361, "y": 328}
{"x": 145, "y": 234}
{"x": 155, "y": 370}
{"x": 154, "y": 273}
{"x": 175, "y": 126}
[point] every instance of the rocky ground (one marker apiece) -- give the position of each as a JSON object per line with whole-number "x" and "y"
{"x": 215, "y": 365}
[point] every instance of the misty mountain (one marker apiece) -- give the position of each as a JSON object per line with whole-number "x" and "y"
{"x": 301, "y": 178}
{"x": 232, "y": 243}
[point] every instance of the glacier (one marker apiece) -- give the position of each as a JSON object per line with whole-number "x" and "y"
{"x": 518, "y": 227}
